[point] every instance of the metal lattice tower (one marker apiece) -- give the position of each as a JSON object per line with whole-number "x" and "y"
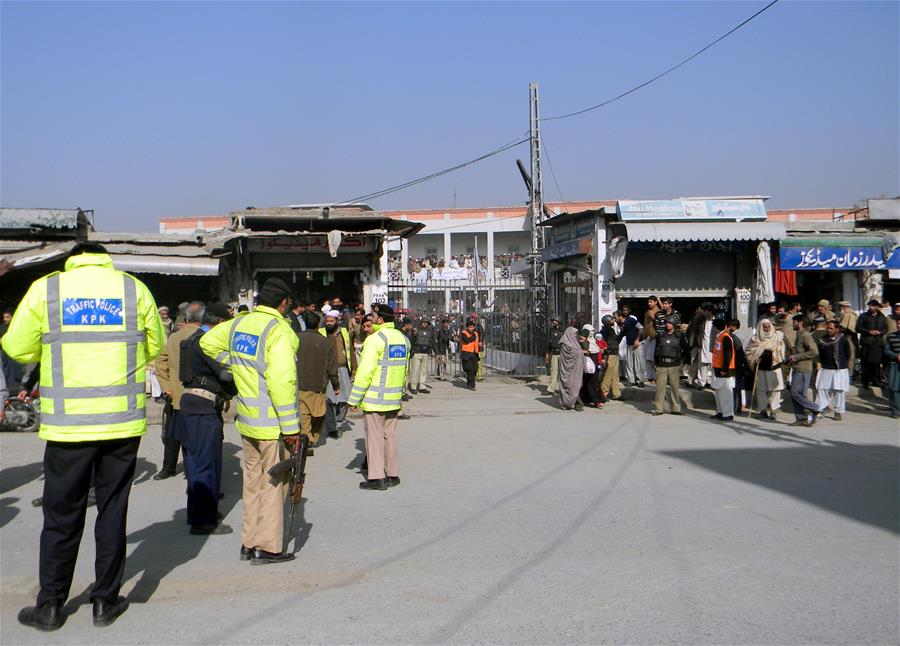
{"x": 536, "y": 210}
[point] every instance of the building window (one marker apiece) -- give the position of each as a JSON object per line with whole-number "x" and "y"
{"x": 430, "y": 251}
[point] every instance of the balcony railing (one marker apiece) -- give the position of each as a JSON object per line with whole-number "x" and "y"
{"x": 501, "y": 276}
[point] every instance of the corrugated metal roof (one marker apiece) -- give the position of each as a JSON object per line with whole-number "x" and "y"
{"x": 21, "y": 253}
{"x": 703, "y": 231}
{"x": 167, "y": 265}
{"x": 11, "y": 218}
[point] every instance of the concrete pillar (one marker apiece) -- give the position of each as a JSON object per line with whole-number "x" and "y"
{"x": 490, "y": 256}
{"x": 852, "y": 293}
{"x": 603, "y": 293}
{"x": 447, "y": 248}
{"x": 404, "y": 260}
{"x": 745, "y": 269}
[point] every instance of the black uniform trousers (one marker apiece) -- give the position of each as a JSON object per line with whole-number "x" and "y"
{"x": 171, "y": 445}
{"x": 201, "y": 441}
{"x": 69, "y": 468}
{"x": 470, "y": 367}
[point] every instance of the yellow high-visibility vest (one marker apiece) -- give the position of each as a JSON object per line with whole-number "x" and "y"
{"x": 260, "y": 350}
{"x": 94, "y": 329}
{"x": 346, "y": 336}
{"x": 381, "y": 373}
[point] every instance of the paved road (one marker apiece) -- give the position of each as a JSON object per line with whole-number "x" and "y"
{"x": 517, "y": 523}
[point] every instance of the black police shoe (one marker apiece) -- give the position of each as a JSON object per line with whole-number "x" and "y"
{"x": 716, "y": 416}
{"x": 262, "y": 557}
{"x": 47, "y": 617}
{"x": 246, "y": 553}
{"x": 106, "y": 612}
{"x": 393, "y": 481}
{"x": 162, "y": 475}
{"x": 379, "y": 484}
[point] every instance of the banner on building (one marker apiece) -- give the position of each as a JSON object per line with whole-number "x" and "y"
{"x": 691, "y": 210}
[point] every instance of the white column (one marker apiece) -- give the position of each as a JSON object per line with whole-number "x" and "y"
{"x": 404, "y": 260}
{"x": 490, "y": 265}
{"x": 490, "y": 255}
{"x": 447, "y": 249}
{"x": 603, "y": 294}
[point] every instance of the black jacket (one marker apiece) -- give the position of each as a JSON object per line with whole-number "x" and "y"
{"x": 208, "y": 375}
{"x": 833, "y": 355}
{"x": 866, "y": 322}
{"x": 423, "y": 341}
{"x": 668, "y": 351}
{"x": 555, "y": 338}
{"x": 609, "y": 335}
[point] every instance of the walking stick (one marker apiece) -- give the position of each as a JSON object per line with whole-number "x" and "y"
{"x": 753, "y": 392}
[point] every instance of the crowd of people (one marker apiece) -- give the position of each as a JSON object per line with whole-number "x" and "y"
{"x": 791, "y": 350}
{"x": 433, "y": 266}
{"x": 291, "y": 372}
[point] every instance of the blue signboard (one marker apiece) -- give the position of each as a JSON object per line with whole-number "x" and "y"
{"x": 832, "y": 258}
{"x": 737, "y": 210}
{"x": 92, "y": 311}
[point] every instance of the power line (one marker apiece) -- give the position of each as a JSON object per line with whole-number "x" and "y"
{"x": 521, "y": 140}
{"x": 659, "y": 76}
{"x": 392, "y": 189}
{"x": 553, "y": 172}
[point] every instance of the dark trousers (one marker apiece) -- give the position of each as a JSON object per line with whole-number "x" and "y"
{"x": 738, "y": 387}
{"x": 171, "y": 445}
{"x": 871, "y": 374}
{"x": 68, "y": 470}
{"x": 470, "y": 367}
{"x": 335, "y": 414}
{"x": 201, "y": 441}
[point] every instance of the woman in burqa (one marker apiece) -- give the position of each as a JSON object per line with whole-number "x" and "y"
{"x": 765, "y": 354}
{"x": 571, "y": 370}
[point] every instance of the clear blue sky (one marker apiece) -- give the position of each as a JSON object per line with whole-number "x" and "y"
{"x": 145, "y": 110}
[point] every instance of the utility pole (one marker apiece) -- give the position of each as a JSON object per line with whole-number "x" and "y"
{"x": 536, "y": 210}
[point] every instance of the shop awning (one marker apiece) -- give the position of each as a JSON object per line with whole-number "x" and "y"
{"x": 169, "y": 265}
{"x": 702, "y": 231}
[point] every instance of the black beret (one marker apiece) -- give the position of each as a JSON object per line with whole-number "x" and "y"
{"x": 217, "y": 309}
{"x": 277, "y": 288}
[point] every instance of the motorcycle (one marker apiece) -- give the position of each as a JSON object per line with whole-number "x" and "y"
{"x": 22, "y": 415}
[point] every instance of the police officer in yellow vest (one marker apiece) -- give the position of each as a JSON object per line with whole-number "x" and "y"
{"x": 378, "y": 390}
{"x": 93, "y": 329}
{"x": 260, "y": 349}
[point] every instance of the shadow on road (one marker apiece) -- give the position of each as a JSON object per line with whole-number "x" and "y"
{"x": 859, "y": 482}
{"x": 163, "y": 546}
{"x": 15, "y": 477}
{"x": 360, "y": 457}
{"x": 8, "y": 510}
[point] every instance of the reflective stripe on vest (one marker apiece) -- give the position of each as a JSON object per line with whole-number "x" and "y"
{"x": 59, "y": 392}
{"x": 718, "y": 357}
{"x": 262, "y": 402}
{"x": 378, "y": 396}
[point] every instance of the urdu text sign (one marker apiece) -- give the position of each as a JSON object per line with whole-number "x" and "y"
{"x": 831, "y": 258}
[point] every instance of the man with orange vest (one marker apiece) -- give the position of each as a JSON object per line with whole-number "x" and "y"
{"x": 723, "y": 372}
{"x": 469, "y": 346}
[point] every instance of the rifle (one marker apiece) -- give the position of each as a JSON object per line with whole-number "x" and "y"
{"x": 296, "y": 464}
